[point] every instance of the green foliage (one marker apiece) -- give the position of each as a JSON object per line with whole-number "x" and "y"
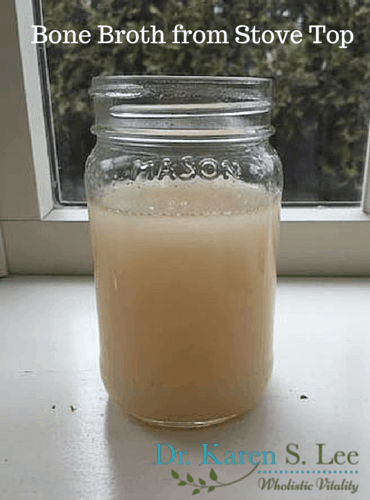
{"x": 321, "y": 91}
{"x": 213, "y": 475}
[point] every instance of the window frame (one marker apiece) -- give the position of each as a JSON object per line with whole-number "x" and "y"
{"x": 40, "y": 237}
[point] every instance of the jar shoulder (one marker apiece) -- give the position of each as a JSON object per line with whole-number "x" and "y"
{"x": 256, "y": 163}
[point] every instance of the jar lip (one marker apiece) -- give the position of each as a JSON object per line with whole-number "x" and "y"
{"x": 250, "y": 80}
{"x": 136, "y": 86}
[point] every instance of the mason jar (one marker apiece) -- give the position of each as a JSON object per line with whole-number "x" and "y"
{"x": 184, "y": 192}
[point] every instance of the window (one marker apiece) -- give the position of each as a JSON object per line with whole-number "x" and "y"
{"x": 322, "y": 103}
{"x": 40, "y": 238}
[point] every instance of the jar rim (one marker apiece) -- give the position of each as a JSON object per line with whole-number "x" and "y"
{"x": 184, "y": 107}
{"x": 134, "y": 86}
{"x": 119, "y": 79}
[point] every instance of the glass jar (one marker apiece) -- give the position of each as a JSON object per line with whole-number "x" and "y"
{"x": 184, "y": 193}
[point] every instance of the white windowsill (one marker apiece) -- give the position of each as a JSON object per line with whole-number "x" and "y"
{"x": 288, "y": 214}
{"x": 313, "y": 241}
{"x": 61, "y": 438}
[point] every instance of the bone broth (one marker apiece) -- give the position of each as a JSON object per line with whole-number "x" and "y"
{"x": 185, "y": 300}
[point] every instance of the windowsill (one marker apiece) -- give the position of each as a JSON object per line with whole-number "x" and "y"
{"x": 288, "y": 214}
{"x": 61, "y": 437}
{"x": 313, "y": 241}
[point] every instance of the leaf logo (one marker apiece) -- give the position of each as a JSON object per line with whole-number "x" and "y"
{"x": 202, "y": 484}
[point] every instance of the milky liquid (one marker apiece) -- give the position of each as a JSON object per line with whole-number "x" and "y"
{"x": 186, "y": 301}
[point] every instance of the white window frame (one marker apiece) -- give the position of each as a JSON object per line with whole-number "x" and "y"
{"x": 39, "y": 237}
